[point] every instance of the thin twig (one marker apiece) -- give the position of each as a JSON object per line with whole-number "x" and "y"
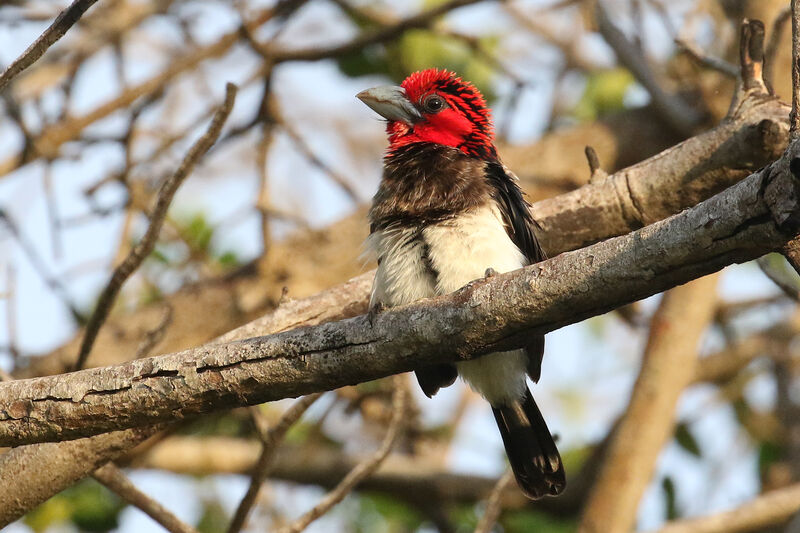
{"x": 596, "y": 172}
{"x": 387, "y": 33}
{"x": 363, "y": 469}
{"x": 53, "y": 218}
{"x": 11, "y": 314}
{"x": 142, "y": 249}
{"x": 493, "y": 504}
{"x": 155, "y": 335}
{"x": 270, "y": 439}
{"x": 312, "y": 158}
{"x": 115, "y": 479}
{"x": 778, "y": 279}
{"x": 64, "y": 21}
{"x": 714, "y": 63}
{"x": 776, "y": 33}
{"x": 794, "y": 117}
{"x": 39, "y": 266}
{"x": 751, "y": 62}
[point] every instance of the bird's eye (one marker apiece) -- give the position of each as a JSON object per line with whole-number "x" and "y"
{"x": 433, "y": 103}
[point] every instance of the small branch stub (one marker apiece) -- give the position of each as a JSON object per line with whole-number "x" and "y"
{"x": 597, "y": 173}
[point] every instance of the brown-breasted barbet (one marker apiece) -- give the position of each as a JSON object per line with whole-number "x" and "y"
{"x": 446, "y": 211}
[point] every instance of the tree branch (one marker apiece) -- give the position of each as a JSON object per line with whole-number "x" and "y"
{"x": 414, "y": 479}
{"x": 667, "y": 368}
{"x": 270, "y": 440}
{"x": 673, "y": 109}
{"x": 363, "y": 469}
{"x": 143, "y": 248}
{"x": 744, "y": 222}
{"x": 35, "y": 473}
{"x": 113, "y": 478}
{"x": 65, "y": 20}
{"x": 494, "y": 504}
{"x": 770, "y": 509}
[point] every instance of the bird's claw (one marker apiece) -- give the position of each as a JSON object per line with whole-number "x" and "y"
{"x": 374, "y": 311}
{"x": 490, "y": 272}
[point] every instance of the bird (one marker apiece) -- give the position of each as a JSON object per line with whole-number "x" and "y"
{"x": 447, "y": 212}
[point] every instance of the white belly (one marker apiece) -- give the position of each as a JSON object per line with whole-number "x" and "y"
{"x": 441, "y": 258}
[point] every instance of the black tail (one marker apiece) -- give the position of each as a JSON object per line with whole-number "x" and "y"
{"x": 530, "y": 448}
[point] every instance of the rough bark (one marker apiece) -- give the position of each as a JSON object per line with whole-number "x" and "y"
{"x": 30, "y": 481}
{"x": 746, "y": 221}
{"x": 673, "y": 180}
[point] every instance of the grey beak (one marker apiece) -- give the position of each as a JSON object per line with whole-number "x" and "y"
{"x": 391, "y": 103}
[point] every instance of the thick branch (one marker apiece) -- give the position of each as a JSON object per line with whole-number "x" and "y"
{"x": 667, "y": 368}
{"x": 37, "y": 472}
{"x": 734, "y": 226}
{"x": 770, "y": 509}
{"x": 675, "y": 179}
{"x": 414, "y": 479}
{"x": 32, "y": 474}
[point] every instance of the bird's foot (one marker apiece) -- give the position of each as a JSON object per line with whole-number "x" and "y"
{"x": 374, "y": 311}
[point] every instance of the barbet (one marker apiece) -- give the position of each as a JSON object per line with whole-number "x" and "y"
{"x": 446, "y": 211}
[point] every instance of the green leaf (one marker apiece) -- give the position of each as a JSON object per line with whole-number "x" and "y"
{"x": 214, "y": 518}
{"x": 686, "y": 440}
{"x": 419, "y": 49}
{"x": 88, "y": 505}
{"x": 769, "y": 453}
{"x": 229, "y": 260}
{"x": 56, "y": 510}
{"x": 197, "y": 232}
{"x": 604, "y": 93}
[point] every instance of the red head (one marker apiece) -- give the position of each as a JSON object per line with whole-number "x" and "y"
{"x": 435, "y": 106}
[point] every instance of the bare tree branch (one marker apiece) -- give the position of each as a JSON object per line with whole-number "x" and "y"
{"x": 493, "y": 504}
{"x": 415, "y": 479}
{"x": 667, "y": 368}
{"x": 715, "y": 63}
{"x": 770, "y": 509}
{"x": 270, "y": 440}
{"x": 363, "y": 469}
{"x": 113, "y": 478}
{"x": 670, "y": 106}
{"x": 143, "y": 248}
{"x": 65, "y": 20}
{"x": 48, "y": 142}
{"x": 35, "y": 473}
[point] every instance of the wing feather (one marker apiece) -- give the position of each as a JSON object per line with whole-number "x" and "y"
{"x": 520, "y": 227}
